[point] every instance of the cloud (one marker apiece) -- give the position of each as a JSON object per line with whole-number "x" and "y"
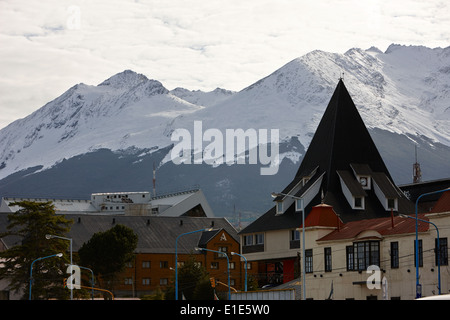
{"x": 48, "y": 46}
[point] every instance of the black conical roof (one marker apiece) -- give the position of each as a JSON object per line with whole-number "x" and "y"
{"x": 341, "y": 149}
{"x": 341, "y": 139}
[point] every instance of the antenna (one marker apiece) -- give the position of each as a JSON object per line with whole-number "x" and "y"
{"x": 417, "y": 173}
{"x": 154, "y": 180}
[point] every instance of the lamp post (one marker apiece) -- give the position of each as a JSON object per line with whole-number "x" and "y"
{"x": 228, "y": 266}
{"x": 419, "y": 294}
{"x": 176, "y": 257}
{"x": 31, "y": 269}
{"x": 438, "y": 248}
{"x": 274, "y": 195}
{"x": 50, "y": 236}
{"x": 245, "y": 266}
{"x": 92, "y": 279}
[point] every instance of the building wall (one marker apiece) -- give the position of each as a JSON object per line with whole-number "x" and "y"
{"x": 152, "y": 271}
{"x": 345, "y": 284}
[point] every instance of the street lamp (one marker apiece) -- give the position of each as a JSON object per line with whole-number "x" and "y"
{"x": 275, "y": 195}
{"x": 176, "y": 257}
{"x": 50, "y": 236}
{"x": 92, "y": 279}
{"x": 418, "y": 294}
{"x": 59, "y": 255}
{"x": 245, "y": 264}
{"x": 438, "y": 248}
{"x": 228, "y": 266}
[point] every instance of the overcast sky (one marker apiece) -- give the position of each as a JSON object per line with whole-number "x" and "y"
{"x": 48, "y": 46}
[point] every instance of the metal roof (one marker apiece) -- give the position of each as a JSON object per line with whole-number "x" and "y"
{"x": 155, "y": 234}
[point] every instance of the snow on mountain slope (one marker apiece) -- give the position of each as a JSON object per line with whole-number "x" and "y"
{"x": 202, "y": 98}
{"x": 124, "y": 111}
{"x": 404, "y": 90}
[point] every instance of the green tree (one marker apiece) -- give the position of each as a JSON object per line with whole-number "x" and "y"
{"x": 193, "y": 282}
{"x": 108, "y": 252}
{"x": 28, "y": 226}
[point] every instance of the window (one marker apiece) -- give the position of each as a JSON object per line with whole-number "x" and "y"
{"x": 443, "y": 248}
{"x": 146, "y": 281}
{"x": 163, "y": 265}
{"x": 163, "y": 281}
{"x": 391, "y": 204}
{"x": 259, "y": 238}
{"x": 358, "y": 203}
{"x": 295, "y": 235}
{"x": 279, "y": 207}
{"x": 214, "y": 265}
{"x": 128, "y": 281}
{"x": 309, "y": 261}
{"x": 350, "y": 258}
{"x": 232, "y": 265}
{"x": 146, "y": 264}
{"x": 298, "y": 205}
{"x": 420, "y": 254}
{"x": 364, "y": 254}
{"x": 248, "y": 240}
{"x": 394, "y": 255}
{"x": 365, "y": 182}
{"x": 224, "y": 250}
{"x": 327, "y": 257}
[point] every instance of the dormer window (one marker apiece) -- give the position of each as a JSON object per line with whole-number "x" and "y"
{"x": 392, "y": 204}
{"x": 365, "y": 182}
{"x": 363, "y": 174}
{"x": 353, "y": 189}
{"x": 298, "y": 205}
{"x": 279, "y": 207}
{"x": 358, "y": 203}
{"x": 385, "y": 192}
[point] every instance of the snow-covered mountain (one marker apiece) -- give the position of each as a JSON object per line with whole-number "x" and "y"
{"x": 402, "y": 93}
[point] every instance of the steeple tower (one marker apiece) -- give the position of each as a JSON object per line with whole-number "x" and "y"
{"x": 343, "y": 168}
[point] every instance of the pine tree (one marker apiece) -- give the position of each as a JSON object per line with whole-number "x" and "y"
{"x": 28, "y": 227}
{"x": 108, "y": 252}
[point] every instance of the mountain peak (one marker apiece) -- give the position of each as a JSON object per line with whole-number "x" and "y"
{"x": 127, "y": 78}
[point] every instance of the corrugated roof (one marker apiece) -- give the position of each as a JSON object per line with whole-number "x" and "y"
{"x": 443, "y": 204}
{"x": 384, "y": 226}
{"x": 155, "y": 234}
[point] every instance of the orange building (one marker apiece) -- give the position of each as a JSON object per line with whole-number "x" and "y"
{"x": 159, "y": 238}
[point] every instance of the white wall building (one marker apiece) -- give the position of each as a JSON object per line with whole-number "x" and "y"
{"x": 190, "y": 203}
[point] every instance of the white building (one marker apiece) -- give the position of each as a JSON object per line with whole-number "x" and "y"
{"x": 188, "y": 203}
